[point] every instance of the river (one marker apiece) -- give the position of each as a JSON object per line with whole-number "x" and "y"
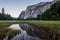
{"x": 26, "y": 32}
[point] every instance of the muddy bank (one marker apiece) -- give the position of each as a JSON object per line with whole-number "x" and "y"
{"x": 44, "y": 32}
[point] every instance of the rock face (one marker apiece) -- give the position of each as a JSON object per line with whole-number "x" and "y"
{"x": 21, "y": 16}
{"x": 34, "y": 10}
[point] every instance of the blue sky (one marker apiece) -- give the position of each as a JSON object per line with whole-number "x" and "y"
{"x": 14, "y": 7}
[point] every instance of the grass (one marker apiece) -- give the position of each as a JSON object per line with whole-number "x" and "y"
{"x": 4, "y": 31}
{"x": 12, "y": 33}
{"x": 51, "y": 27}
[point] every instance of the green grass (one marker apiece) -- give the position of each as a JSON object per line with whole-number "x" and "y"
{"x": 46, "y": 23}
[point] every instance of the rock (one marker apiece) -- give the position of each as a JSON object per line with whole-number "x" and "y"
{"x": 34, "y": 10}
{"x": 21, "y": 16}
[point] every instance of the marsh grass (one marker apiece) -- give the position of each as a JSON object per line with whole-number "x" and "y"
{"x": 12, "y": 33}
{"x": 51, "y": 28}
{"x": 4, "y": 30}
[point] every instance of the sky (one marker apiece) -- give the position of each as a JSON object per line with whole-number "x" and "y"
{"x": 14, "y": 7}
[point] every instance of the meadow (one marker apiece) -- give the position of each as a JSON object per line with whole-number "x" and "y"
{"x": 52, "y": 28}
{"x": 4, "y": 31}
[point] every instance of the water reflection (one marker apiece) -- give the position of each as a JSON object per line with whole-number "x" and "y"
{"x": 15, "y": 27}
{"x": 24, "y": 28}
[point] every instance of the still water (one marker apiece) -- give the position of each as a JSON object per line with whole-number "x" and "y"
{"x": 25, "y": 32}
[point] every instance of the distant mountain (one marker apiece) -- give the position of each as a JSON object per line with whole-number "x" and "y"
{"x": 34, "y": 10}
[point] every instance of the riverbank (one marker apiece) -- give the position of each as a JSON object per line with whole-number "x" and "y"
{"x": 49, "y": 30}
{"x": 4, "y": 30}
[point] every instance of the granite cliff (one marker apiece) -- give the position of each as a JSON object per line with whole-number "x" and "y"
{"x": 34, "y": 10}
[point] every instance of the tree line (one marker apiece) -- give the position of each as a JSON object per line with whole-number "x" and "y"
{"x": 5, "y": 17}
